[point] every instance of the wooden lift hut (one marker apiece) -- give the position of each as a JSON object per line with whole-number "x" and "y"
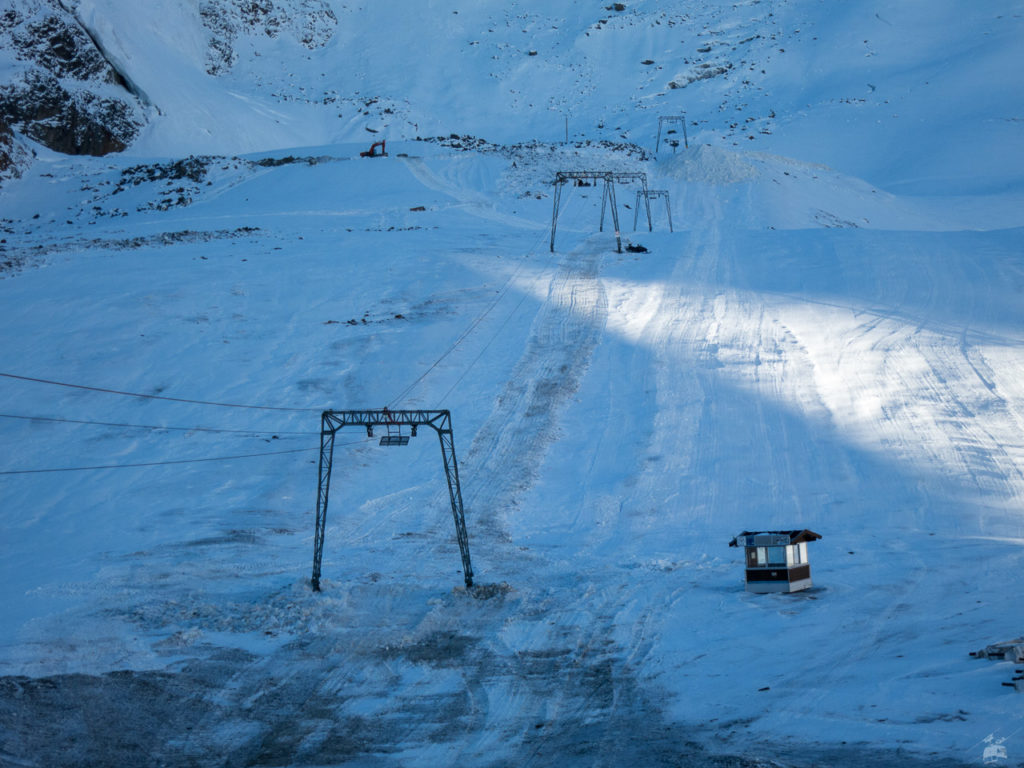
{"x": 776, "y": 560}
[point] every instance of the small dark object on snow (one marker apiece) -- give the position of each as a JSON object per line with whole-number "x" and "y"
{"x": 419, "y": 208}
{"x": 636, "y": 248}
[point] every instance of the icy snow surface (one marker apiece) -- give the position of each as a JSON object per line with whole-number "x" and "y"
{"x": 831, "y": 338}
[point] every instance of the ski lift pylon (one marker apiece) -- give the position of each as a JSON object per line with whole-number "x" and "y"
{"x": 439, "y": 421}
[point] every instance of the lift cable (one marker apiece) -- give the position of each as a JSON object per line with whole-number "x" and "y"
{"x": 155, "y": 427}
{"x": 486, "y": 346}
{"x": 152, "y": 463}
{"x": 497, "y": 333}
{"x": 476, "y": 321}
{"x": 472, "y": 326}
{"x": 166, "y": 463}
{"x": 158, "y": 397}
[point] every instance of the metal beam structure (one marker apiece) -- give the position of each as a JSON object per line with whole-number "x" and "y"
{"x": 648, "y": 195}
{"x": 607, "y": 196}
{"x": 632, "y": 178}
{"x": 681, "y": 119}
{"x": 439, "y": 421}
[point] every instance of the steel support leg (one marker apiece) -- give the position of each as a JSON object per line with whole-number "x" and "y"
{"x": 668, "y": 210}
{"x": 451, "y": 471}
{"x": 610, "y": 188}
{"x": 647, "y": 206}
{"x": 554, "y": 213}
{"x": 322, "y": 490}
{"x": 604, "y": 197}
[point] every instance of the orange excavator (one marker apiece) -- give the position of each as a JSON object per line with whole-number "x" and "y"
{"x": 372, "y": 151}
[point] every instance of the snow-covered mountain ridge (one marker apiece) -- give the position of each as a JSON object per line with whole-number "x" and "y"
{"x": 226, "y": 76}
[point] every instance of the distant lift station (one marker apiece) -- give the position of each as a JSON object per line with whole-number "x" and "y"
{"x": 776, "y": 560}
{"x": 393, "y": 422}
{"x": 583, "y": 178}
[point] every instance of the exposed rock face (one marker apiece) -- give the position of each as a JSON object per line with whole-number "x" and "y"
{"x": 13, "y": 156}
{"x": 61, "y": 91}
{"x": 310, "y": 22}
{"x": 74, "y": 122}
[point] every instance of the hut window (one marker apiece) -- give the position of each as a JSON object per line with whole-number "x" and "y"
{"x": 777, "y": 555}
{"x": 794, "y": 554}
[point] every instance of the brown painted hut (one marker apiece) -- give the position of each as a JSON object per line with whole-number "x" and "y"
{"x": 776, "y": 560}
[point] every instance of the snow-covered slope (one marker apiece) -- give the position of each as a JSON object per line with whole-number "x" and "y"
{"x": 920, "y": 90}
{"x": 831, "y": 338}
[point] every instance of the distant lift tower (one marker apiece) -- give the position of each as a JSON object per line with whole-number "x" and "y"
{"x": 393, "y": 422}
{"x": 607, "y": 195}
{"x": 681, "y": 119}
{"x": 651, "y": 194}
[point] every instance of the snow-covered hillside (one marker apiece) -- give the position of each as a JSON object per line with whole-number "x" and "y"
{"x": 831, "y": 338}
{"x": 865, "y": 87}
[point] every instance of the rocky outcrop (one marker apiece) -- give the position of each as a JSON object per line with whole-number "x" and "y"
{"x": 310, "y": 22}
{"x": 62, "y": 92}
{"x": 13, "y": 156}
{"x": 76, "y": 122}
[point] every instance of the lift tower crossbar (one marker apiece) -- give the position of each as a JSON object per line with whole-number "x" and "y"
{"x": 607, "y": 196}
{"x": 439, "y": 421}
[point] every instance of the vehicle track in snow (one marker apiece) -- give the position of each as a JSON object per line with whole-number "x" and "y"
{"x": 476, "y": 203}
{"x": 561, "y": 676}
{"x": 509, "y": 447}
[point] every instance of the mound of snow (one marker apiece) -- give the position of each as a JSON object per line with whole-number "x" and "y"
{"x": 706, "y": 164}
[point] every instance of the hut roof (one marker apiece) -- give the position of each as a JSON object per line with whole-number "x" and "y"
{"x": 795, "y": 537}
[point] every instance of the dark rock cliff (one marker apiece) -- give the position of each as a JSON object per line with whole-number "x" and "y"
{"x": 61, "y": 90}
{"x": 13, "y": 156}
